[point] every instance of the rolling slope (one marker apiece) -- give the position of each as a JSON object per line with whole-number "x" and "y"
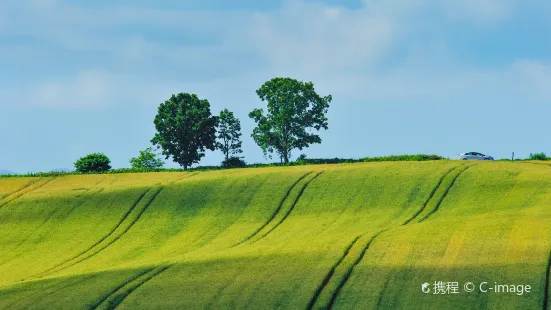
{"x": 309, "y": 237}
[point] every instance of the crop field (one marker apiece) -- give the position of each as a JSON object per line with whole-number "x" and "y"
{"x": 348, "y": 236}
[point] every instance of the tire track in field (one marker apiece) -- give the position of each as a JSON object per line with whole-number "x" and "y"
{"x": 22, "y": 192}
{"x": 382, "y": 294}
{"x": 200, "y": 244}
{"x": 115, "y": 297}
{"x": 547, "y": 284}
{"x": 111, "y": 232}
{"x": 82, "y": 256}
{"x": 276, "y": 211}
{"x": 34, "y": 298}
{"x": 345, "y": 278}
{"x": 120, "y": 286}
{"x": 41, "y": 226}
{"x": 293, "y": 205}
{"x": 330, "y": 274}
{"x": 343, "y": 281}
{"x": 26, "y": 239}
{"x": 445, "y": 194}
{"x": 97, "y": 192}
{"x": 431, "y": 195}
{"x": 20, "y": 188}
{"x": 102, "y": 247}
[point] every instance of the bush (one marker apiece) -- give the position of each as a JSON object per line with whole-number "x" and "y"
{"x": 301, "y": 160}
{"x": 148, "y": 159}
{"x": 234, "y": 162}
{"x": 538, "y": 156}
{"x": 93, "y": 163}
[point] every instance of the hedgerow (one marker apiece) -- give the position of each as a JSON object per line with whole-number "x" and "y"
{"x": 302, "y": 161}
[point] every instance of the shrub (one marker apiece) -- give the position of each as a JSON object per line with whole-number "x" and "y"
{"x": 301, "y": 160}
{"x": 148, "y": 159}
{"x": 93, "y": 163}
{"x": 538, "y": 156}
{"x": 234, "y": 162}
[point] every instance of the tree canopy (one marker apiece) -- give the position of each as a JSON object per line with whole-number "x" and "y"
{"x": 147, "y": 159}
{"x": 294, "y": 111}
{"x": 229, "y": 133}
{"x": 185, "y": 129}
{"x": 93, "y": 163}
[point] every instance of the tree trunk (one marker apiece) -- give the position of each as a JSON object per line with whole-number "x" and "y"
{"x": 286, "y": 157}
{"x": 227, "y": 149}
{"x": 185, "y": 167}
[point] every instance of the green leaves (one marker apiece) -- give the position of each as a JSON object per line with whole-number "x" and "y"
{"x": 148, "y": 159}
{"x": 185, "y": 128}
{"x": 93, "y": 163}
{"x": 538, "y": 156}
{"x": 229, "y": 132}
{"x": 294, "y": 110}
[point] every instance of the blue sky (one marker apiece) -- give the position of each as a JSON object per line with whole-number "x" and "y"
{"x": 407, "y": 76}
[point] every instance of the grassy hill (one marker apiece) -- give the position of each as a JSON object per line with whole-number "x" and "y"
{"x": 326, "y": 236}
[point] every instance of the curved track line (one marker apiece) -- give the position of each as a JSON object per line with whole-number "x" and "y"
{"x": 40, "y": 227}
{"x": 132, "y": 289}
{"x": 547, "y": 284}
{"x": 276, "y": 211}
{"x": 345, "y": 278}
{"x": 444, "y": 195}
{"x": 117, "y": 237}
{"x": 381, "y": 295}
{"x": 431, "y": 195}
{"x": 349, "y": 272}
{"x": 120, "y": 286}
{"x": 292, "y": 206}
{"x": 46, "y": 272}
{"x": 119, "y": 294}
{"x": 21, "y": 188}
{"x": 110, "y": 233}
{"x": 34, "y": 298}
{"x": 26, "y": 192}
{"x": 27, "y": 238}
{"x": 327, "y": 278}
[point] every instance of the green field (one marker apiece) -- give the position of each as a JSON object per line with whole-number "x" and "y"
{"x": 351, "y": 236}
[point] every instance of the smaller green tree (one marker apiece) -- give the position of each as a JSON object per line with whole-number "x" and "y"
{"x": 147, "y": 159}
{"x": 538, "y": 156}
{"x": 229, "y": 132}
{"x": 93, "y": 163}
{"x": 234, "y": 162}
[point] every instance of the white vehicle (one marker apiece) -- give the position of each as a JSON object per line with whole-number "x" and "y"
{"x": 474, "y": 156}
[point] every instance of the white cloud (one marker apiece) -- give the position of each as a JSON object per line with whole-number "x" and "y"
{"x": 89, "y": 89}
{"x": 344, "y": 51}
{"x": 536, "y": 76}
{"x": 479, "y": 11}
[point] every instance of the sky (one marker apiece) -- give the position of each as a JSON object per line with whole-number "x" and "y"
{"x": 407, "y": 76}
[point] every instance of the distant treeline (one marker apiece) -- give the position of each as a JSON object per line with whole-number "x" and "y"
{"x": 302, "y": 160}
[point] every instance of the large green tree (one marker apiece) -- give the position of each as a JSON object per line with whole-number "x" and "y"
{"x": 147, "y": 159}
{"x": 295, "y": 110}
{"x": 185, "y": 129}
{"x": 229, "y": 133}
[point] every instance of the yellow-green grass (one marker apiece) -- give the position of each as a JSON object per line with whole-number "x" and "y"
{"x": 325, "y": 236}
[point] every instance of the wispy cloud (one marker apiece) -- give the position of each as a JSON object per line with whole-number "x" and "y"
{"x": 484, "y": 12}
{"x": 357, "y": 54}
